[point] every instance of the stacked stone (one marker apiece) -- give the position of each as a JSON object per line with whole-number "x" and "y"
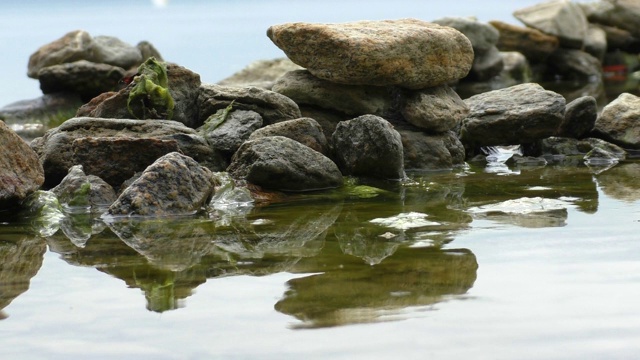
{"x": 359, "y": 77}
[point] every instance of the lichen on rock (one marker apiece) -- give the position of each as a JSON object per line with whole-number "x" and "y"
{"x": 149, "y": 97}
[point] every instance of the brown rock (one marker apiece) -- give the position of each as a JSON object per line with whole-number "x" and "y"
{"x": 533, "y": 44}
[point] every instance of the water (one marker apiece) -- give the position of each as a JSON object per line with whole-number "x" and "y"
{"x": 315, "y": 278}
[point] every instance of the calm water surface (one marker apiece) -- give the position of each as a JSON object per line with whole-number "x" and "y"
{"x": 315, "y": 278}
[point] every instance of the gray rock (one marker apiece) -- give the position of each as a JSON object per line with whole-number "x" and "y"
{"x": 280, "y": 163}
{"x": 327, "y": 119}
{"x": 79, "y": 45}
{"x": 596, "y": 42}
{"x": 273, "y": 107}
{"x": 436, "y": 109}
{"x": 575, "y": 65}
{"x": 147, "y": 50}
{"x": 82, "y": 77}
{"x": 407, "y": 52}
{"x": 20, "y": 171}
{"x": 174, "y": 184}
{"x": 619, "y": 39}
{"x": 368, "y": 146}
{"x": 431, "y": 151}
{"x": 306, "y": 131}
{"x": 623, "y": 14}
{"x": 304, "y": 88}
{"x": 570, "y": 146}
{"x": 579, "y": 118}
{"x": 533, "y": 44}
{"x": 486, "y": 65}
{"x": 516, "y": 67}
{"x": 561, "y": 18}
{"x": 619, "y": 121}
{"x": 234, "y": 130}
{"x": 261, "y": 73}
{"x": 482, "y": 36}
{"x": 56, "y": 151}
{"x": 80, "y": 190}
{"x": 515, "y": 115}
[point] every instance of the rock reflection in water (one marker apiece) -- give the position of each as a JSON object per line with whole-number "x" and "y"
{"x": 347, "y": 293}
{"x": 621, "y": 182}
{"x": 20, "y": 259}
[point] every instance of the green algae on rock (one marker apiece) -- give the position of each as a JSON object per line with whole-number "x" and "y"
{"x": 150, "y": 97}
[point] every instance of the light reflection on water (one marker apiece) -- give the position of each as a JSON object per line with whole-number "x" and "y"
{"x": 483, "y": 289}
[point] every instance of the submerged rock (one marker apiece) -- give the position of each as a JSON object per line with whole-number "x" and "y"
{"x": 368, "y": 146}
{"x": 21, "y": 173}
{"x": 174, "y": 184}
{"x": 280, "y": 163}
{"x": 619, "y": 122}
{"x": 407, "y": 52}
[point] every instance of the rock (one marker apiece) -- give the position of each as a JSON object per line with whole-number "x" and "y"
{"x": 423, "y": 151}
{"x": 116, "y": 159}
{"x": 174, "y": 184}
{"x": 435, "y": 110}
{"x": 31, "y": 118}
{"x": 280, "y": 163}
{"x": 515, "y": 115}
{"x": 306, "y": 131}
{"x": 82, "y": 77}
{"x": 56, "y": 151}
{"x": 408, "y": 53}
{"x": 576, "y": 65}
{"x": 304, "y": 88}
{"x": 147, "y": 50}
{"x": 328, "y": 119}
{"x": 79, "y": 190}
{"x": 619, "y": 39}
{"x": 596, "y": 42}
{"x": 619, "y": 121}
{"x": 183, "y": 87}
{"x": 579, "y": 118}
{"x": 533, "y": 44}
{"x": 261, "y": 73}
{"x": 273, "y": 107}
{"x": 561, "y": 18}
{"x": 233, "y": 131}
{"x": 486, "y": 65}
{"x": 20, "y": 171}
{"x": 516, "y": 67}
{"x": 368, "y": 146}
{"x": 623, "y": 14}
{"x": 79, "y": 45}
{"x": 570, "y": 146}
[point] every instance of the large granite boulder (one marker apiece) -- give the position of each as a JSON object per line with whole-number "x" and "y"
{"x": 306, "y": 131}
{"x": 535, "y": 45}
{"x": 174, "y": 184}
{"x": 57, "y": 149}
{"x": 561, "y": 18}
{"x": 368, "y": 146}
{"x": 408, "y": 52}
{"x": 273, "y": 107}
{"x": 280, "y": 163}
{"x": 304, "y": 88}
{"x": 619, "y": 122}
{"x": 79, "y": 45}
{"x": 20, "y": 171}
{"x": 434, "y": 110}
{"x": 515, "y": 115}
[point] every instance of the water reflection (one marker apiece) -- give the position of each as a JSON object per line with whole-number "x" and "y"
{"x": 621, "y": 182}
{"x": 21, "y": 257}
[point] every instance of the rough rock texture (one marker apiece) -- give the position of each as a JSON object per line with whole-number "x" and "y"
{"x": 575, "y": 65}
{"x": 273, "y": 107}
{"x": 436, "y": 109}
{"x": 328, "y": 119}
{"x": 79, "y": 45}
{"x": 368, "y": 146}
{"x": 623, "y": 14}
{"x": 20, "y": 171}
{"x": 116, "y": 159}
{"x": 515, "y": 115}
{"x": 407, "y": 52}
{"x": 306, "y": 131}
{"x": 261, "y": 73}
{"x": 619, "y": 122}
{"x": 579, "y": 118}
{"x": 569, "y": 146}
{"x": 56, "y": 151}
{"x": 561, "y": 18}
{"x": 82, "y": 77}
{"x": 280, "y": 163}
{"x": 79, "y": 189}
{"x": 184, "y": 87}
{"x": 234, "y": 130}
{"x": 174, "y": 184}
{"x": 304, "y": 88}
{"x": 533, "y": 44}
{"x": 431, "y": 151}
